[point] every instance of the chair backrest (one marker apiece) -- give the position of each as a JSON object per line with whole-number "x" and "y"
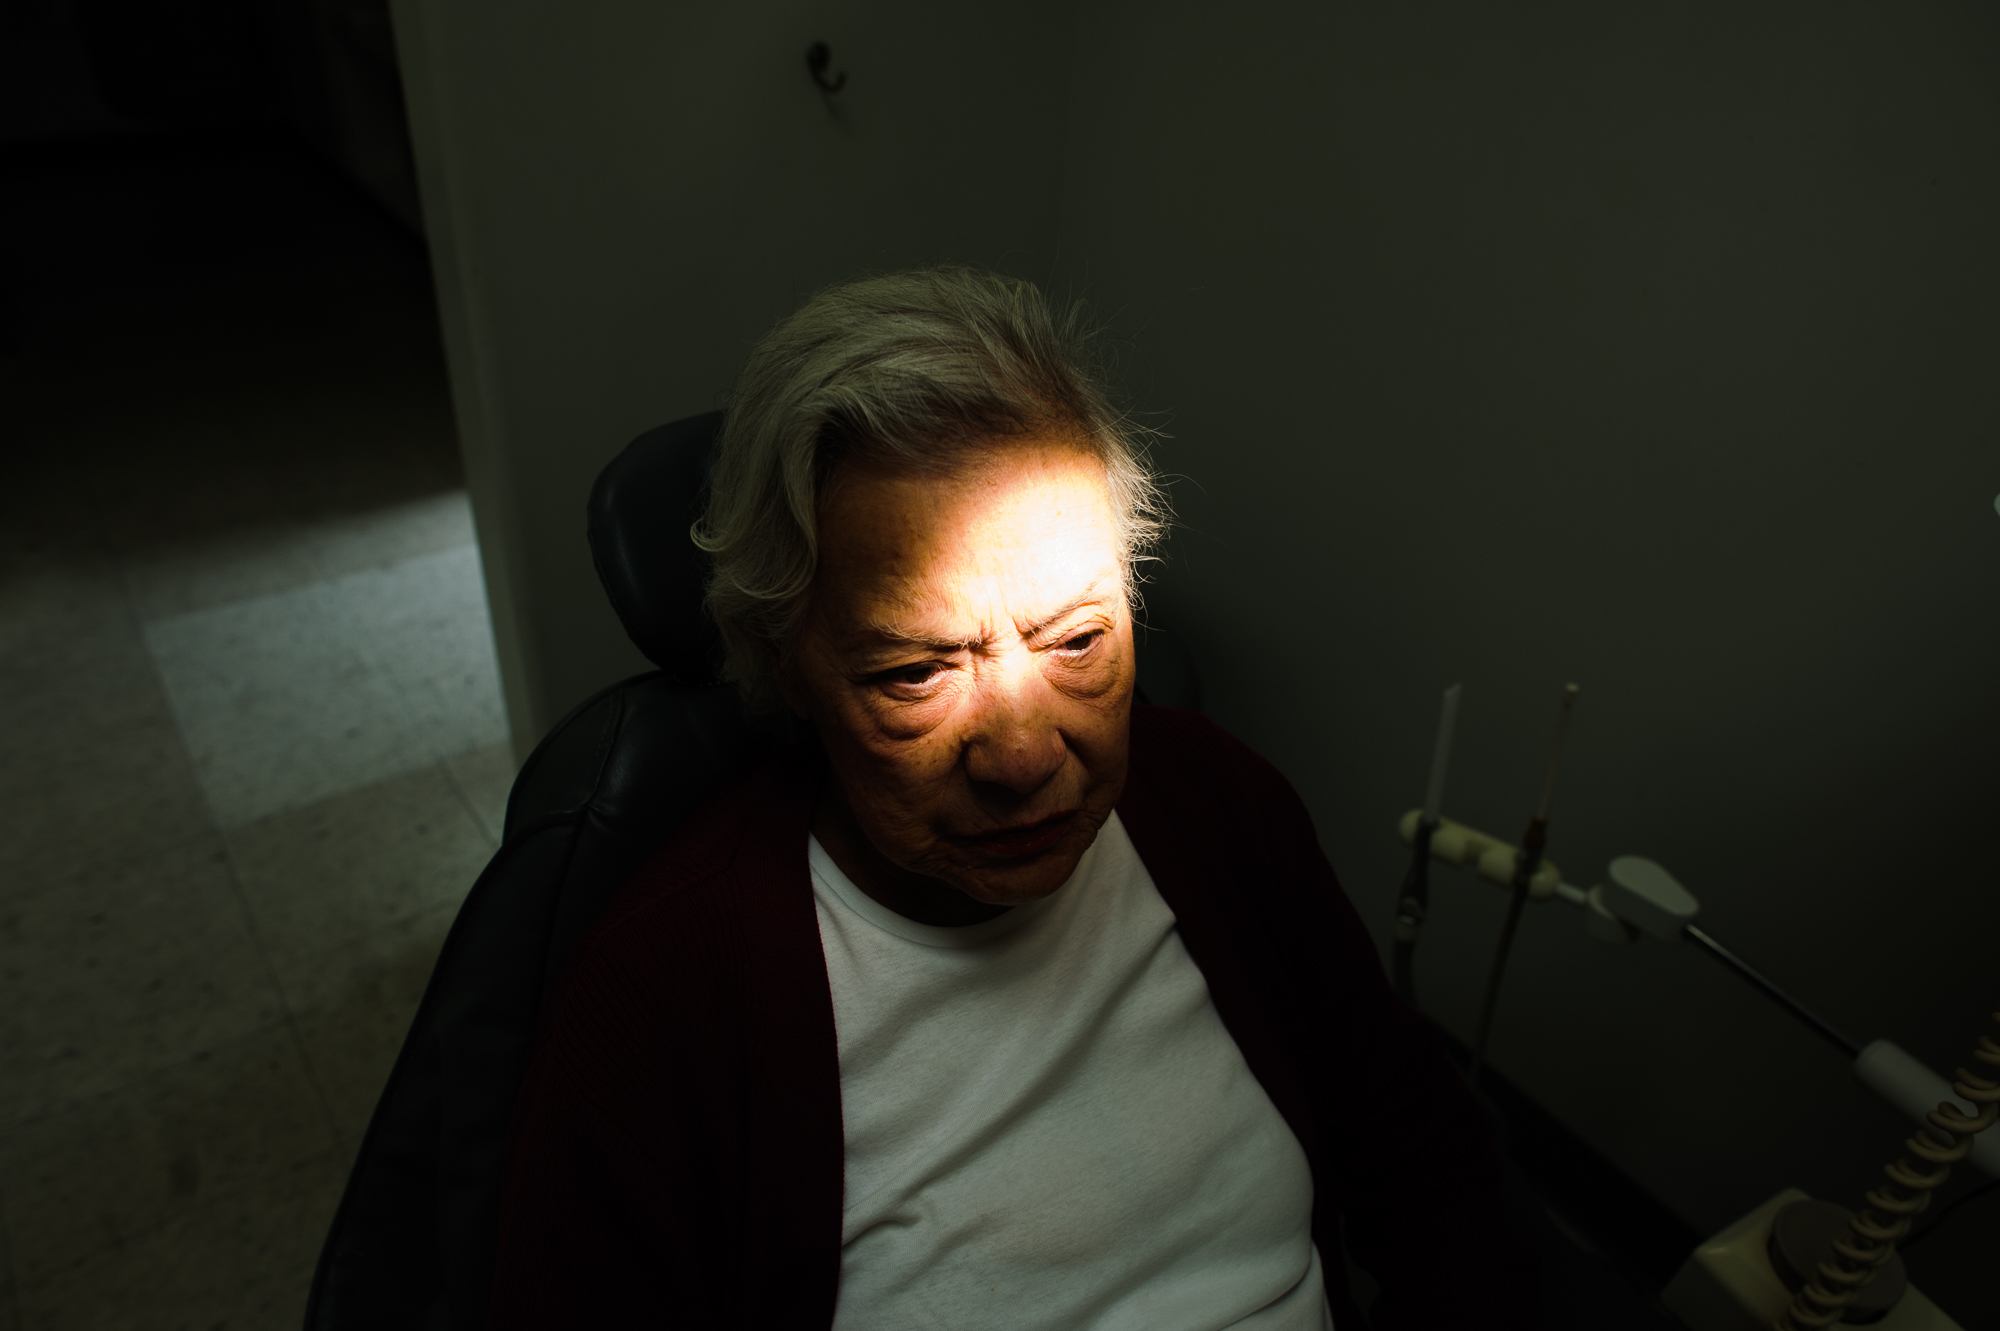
{"x": 412, "y": 1244}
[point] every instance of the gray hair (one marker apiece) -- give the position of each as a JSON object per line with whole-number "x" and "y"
{"x": 919, "y": 370}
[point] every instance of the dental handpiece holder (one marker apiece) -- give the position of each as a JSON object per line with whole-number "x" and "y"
{"x": 1730, "y": 1283}
{"x": 1640, "y": 899}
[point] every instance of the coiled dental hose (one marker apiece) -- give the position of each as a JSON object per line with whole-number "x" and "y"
{"x": 1875, "y": 1230}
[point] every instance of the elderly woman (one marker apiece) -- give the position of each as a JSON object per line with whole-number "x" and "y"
{"x": 996, "y": 1001}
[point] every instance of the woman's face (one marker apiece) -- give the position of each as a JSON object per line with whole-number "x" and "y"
{"x": 967, "y": 661}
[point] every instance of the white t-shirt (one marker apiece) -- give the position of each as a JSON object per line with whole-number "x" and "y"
{"x": 1049, "y": 1127}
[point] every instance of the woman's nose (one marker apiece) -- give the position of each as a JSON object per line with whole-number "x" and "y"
{"x": 1014, "y": 740}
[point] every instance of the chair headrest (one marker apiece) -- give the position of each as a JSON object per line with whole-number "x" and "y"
{"x": 641, "y": 507}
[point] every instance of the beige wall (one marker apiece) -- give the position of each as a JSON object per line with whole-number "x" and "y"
{"x": 1650, "y": 347}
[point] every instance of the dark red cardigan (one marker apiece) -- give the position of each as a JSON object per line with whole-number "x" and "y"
{"x": 677, "y": 1148}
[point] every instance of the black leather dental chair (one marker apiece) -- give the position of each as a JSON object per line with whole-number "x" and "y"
{"x": 412, "y": 1243}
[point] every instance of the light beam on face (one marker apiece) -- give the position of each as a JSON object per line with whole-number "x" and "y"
{"x": 967, "y": 660}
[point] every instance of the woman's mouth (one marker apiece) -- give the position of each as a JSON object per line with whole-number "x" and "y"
{"x": 1028, "y": 839}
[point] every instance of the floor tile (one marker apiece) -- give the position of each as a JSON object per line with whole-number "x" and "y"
{"x": 245, "y": 1262}
{"x": 380, "y": 537}
{"x": 71, "y": 653}
{"x": 92, "y": 766}
{"x": 278, "y": 704}
{"x": 355, "y": 1010}
{"x": 425, "y": 625}
{"x": 178, "y": 577}
{"x": 114, "y": 794}
{"x": 96, "y": 1173}
{"x": 124, "y": 969}
{"x": 286, "y": 699}
{"x": 350, "y": 866}
{"x": 353, "y": 898}
{"x": 485, "y": 777}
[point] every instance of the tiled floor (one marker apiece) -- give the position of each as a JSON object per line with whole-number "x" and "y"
{"x": 251, "y": 746}
{"x": 296, "y": 695}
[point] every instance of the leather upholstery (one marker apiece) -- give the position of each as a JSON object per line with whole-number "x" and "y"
{"x": 640, "y": 511}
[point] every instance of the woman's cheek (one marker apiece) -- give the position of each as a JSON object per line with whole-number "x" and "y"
{"x": 894, "y": 730}
{"x": 1093, "y": 679}
{"x": 909, "y": 744}
{"x": 894, "y": 721}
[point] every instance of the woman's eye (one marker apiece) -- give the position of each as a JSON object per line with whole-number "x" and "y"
{"x": 912, "y": 675}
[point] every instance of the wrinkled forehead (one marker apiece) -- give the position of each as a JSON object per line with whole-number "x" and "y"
{"x": 1016, "y": 534}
